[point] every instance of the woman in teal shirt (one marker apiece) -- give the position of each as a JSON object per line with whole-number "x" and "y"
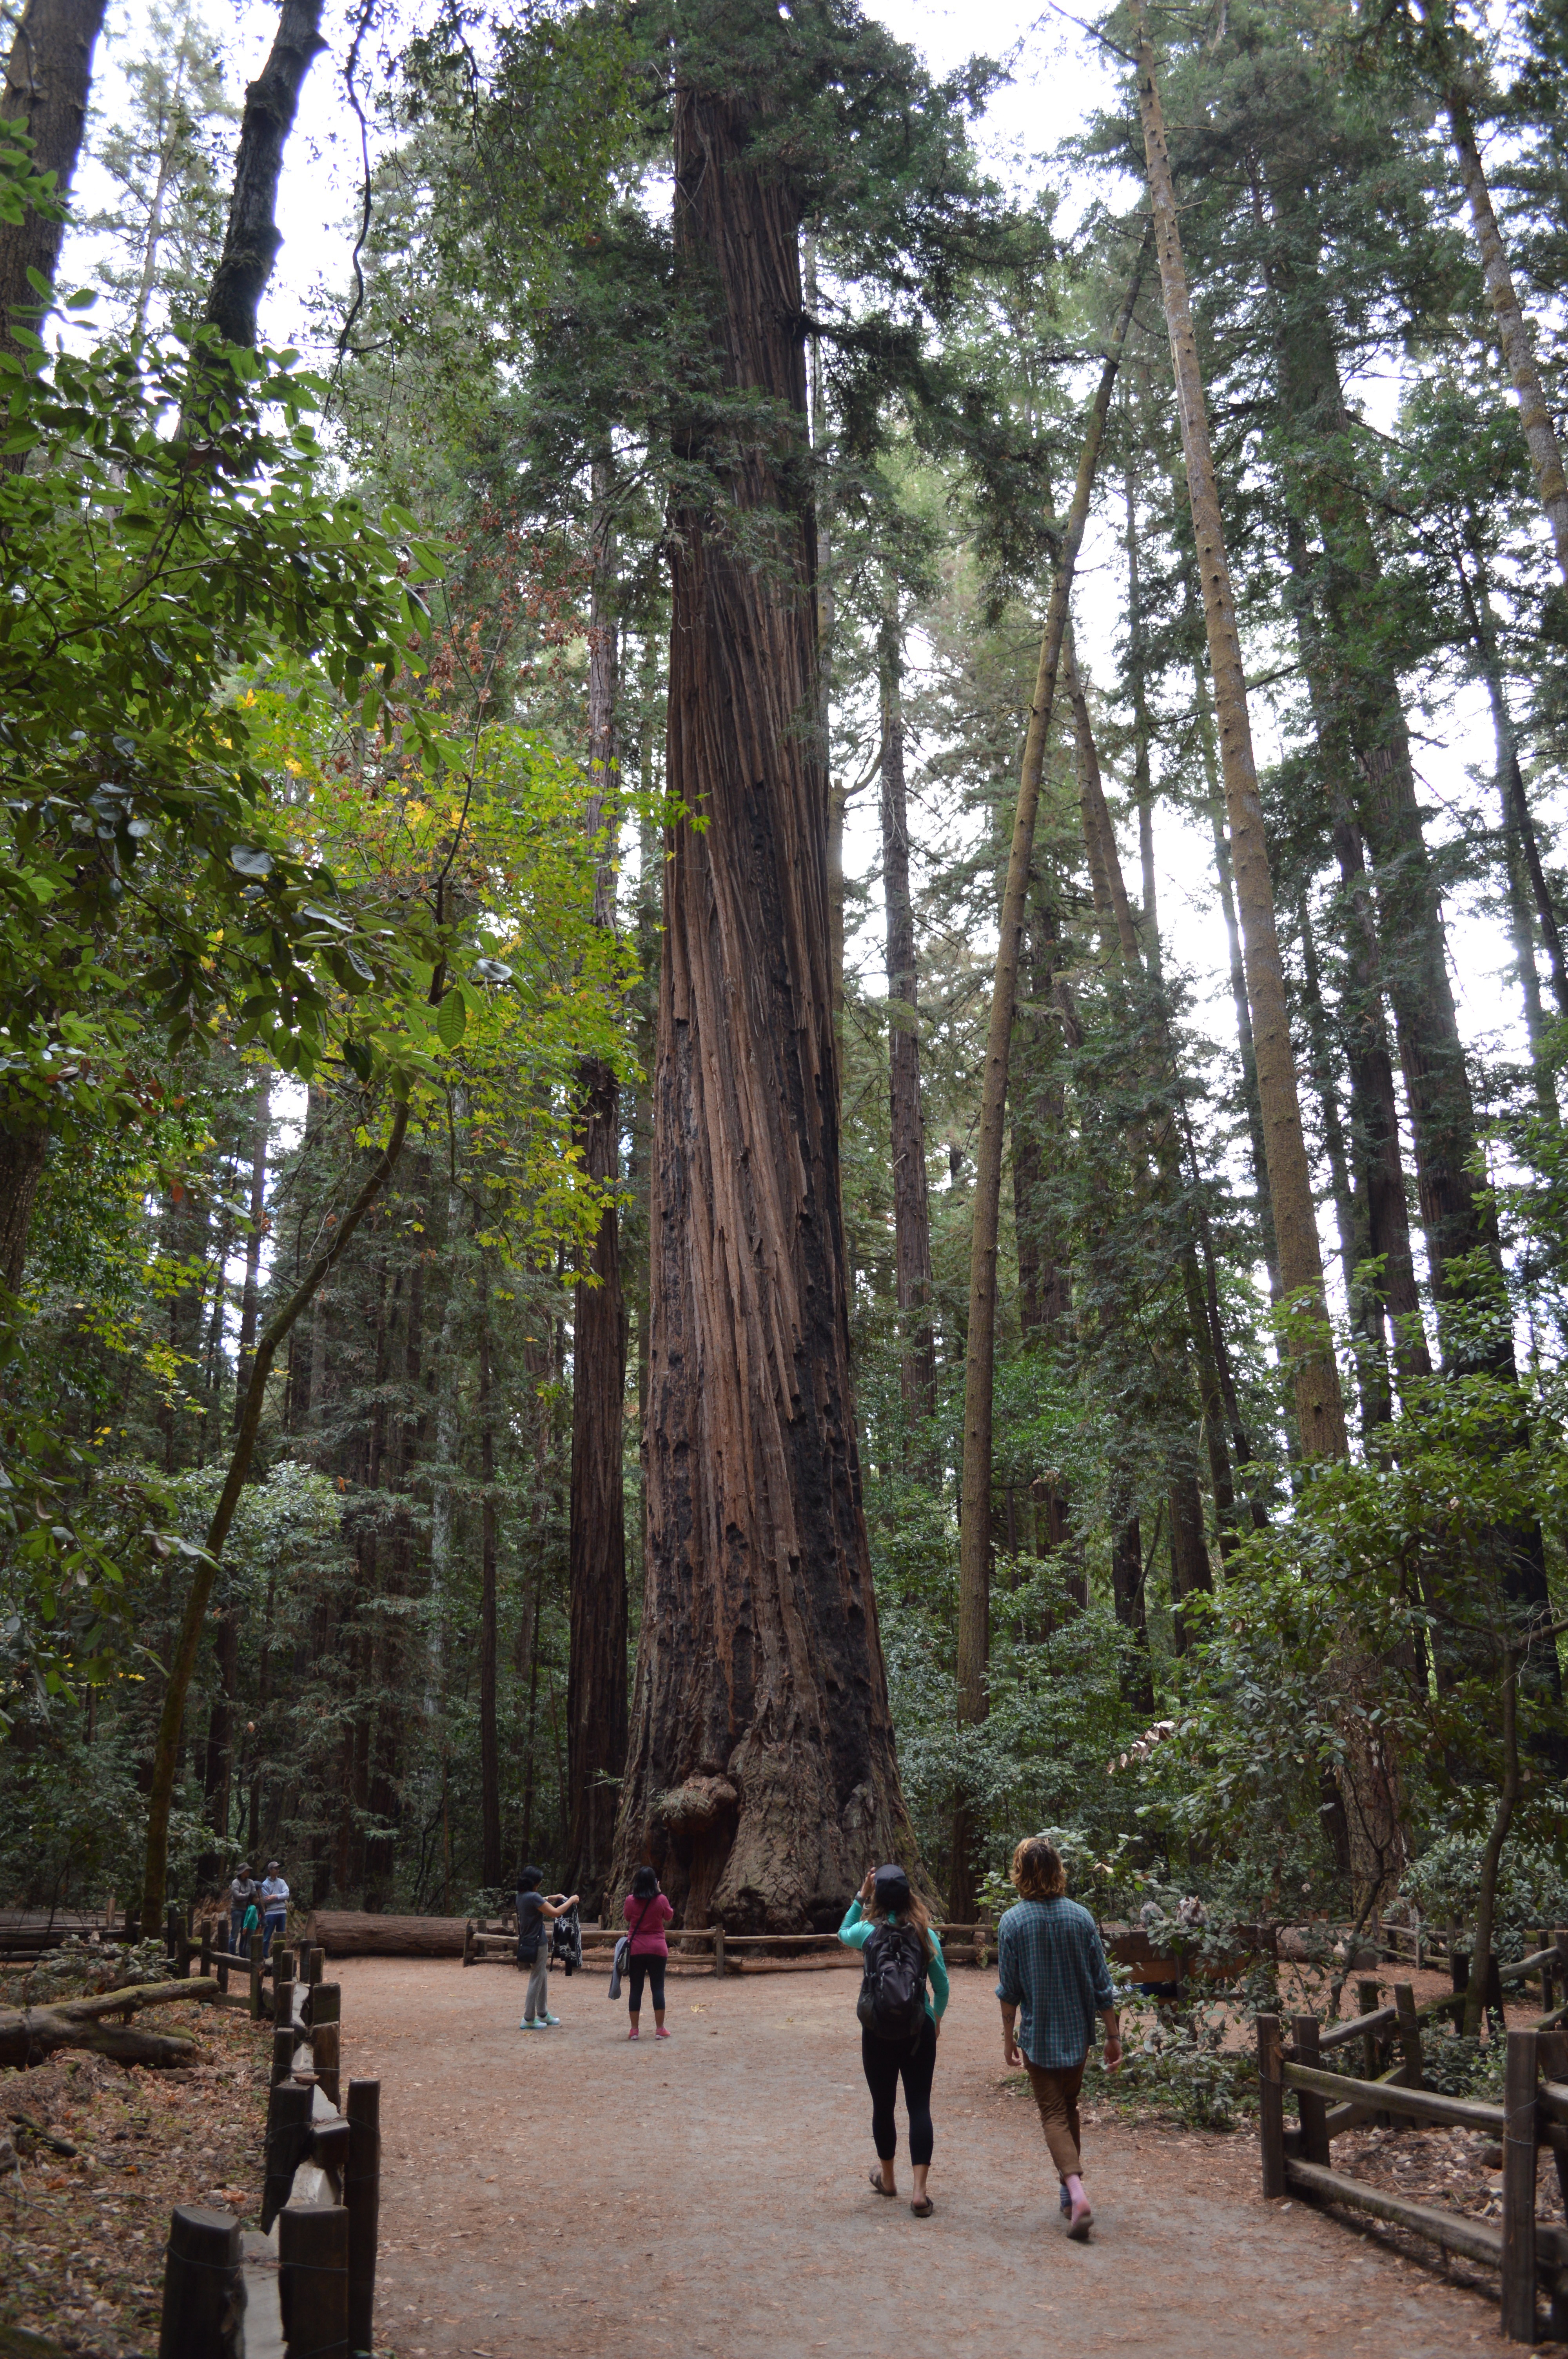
{"x": 885, "y": 1899}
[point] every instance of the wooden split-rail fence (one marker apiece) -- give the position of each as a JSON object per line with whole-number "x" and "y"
{"x": 713, "y": 1951}
{"x": 1534, "y": 2115}
{"x": 305, "y": 2286}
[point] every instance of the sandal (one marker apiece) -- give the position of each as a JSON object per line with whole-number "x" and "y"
{"x": 877, "y": 2184}
{"x": 923, "y": 2209}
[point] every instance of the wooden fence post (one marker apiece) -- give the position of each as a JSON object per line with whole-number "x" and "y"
{"x": 282, "y": 2053}
{"x": 1270, "y": 2105}
{"x": 719, "y": 1950}
{"x": 1552, "y": 2054}
{"x": 201, "y": 2286}
{"x": 1367, "y": 1996}
{"x": 171, "y": 1935}
{"x": 1559, "y": 1943}
{"x": 1520, "y": 2074}
{"x": 1408, "y": 2034}
{"x": 1459, "y": 1974}
{"x": 287, "y": 2141}
{"x": 304, "y": 1953}
{"x": 313, "y": 2280}
{"x": 283, "y": 2000}
{"x": 206, "y": 1950}
{"x": 326, "y": 2035}
{"x": 317, "y": 1964}
{"x": 362, "y": 2199}
{"x": 256, "y": 1977}
{"x": 1314, "y": 2108}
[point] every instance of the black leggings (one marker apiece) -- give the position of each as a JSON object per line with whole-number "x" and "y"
{"x": 655, "y": 1969}
{"x": 884, "y": 2059}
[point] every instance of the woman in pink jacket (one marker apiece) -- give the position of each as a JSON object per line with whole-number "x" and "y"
{"x": 647, "y": 1913}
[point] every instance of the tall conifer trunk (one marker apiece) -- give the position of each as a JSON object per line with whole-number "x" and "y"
{"x": 596, "y": 1687}
{"x": 912, "y": 1220}
{"x": 489, "y": 1605}
{"x": 1319, "y": 1408}
{"x": 760, "y": 1775}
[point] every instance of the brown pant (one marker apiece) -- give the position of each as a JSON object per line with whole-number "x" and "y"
{"x": 1056, "y": 2094}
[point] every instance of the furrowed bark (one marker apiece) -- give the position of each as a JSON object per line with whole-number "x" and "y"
{"x": 979, "y": 1370}
{"x": 252, "y": 239}
{"x": 760, "y": 1775}
{"x": 49, "y": 75}
{"x": 596, "y": 1683}
{"x": 912, "y": 1221}
{"x": 166, "y": 1748}
{"x": 1320, "y": 1411}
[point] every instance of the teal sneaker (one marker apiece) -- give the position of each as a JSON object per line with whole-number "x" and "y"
{"x": 529, "y": 2024}
{"x": 549, "y": 2018}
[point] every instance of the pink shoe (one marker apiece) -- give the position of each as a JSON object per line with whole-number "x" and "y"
{"x": 661, "y": 2033}
{"x": 632, "y": 2033}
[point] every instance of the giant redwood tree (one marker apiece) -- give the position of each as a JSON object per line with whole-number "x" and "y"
{"x": 761, "y": 1776}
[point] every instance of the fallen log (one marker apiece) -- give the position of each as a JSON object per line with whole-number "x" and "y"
{"x": 28, "y": 2034}
{"x": 357, "y": 1933}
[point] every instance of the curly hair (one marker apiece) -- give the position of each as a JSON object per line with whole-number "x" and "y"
{"x": 1037, "y": 1870}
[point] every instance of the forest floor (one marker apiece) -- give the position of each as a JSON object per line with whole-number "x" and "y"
{"x": 82, "y": 2233}
{"x": 708, "y": 2194}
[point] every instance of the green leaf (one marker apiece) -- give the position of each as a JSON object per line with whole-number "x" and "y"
{"x": 451, "y": 1019}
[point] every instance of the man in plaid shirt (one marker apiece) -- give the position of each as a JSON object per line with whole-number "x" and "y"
{"x": 1050, "y": 1965}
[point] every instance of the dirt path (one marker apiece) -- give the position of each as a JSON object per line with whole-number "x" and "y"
{"x": 708, "y": 2194}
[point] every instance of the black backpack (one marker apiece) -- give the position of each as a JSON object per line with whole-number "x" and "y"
{"x": 891, "y": 2004}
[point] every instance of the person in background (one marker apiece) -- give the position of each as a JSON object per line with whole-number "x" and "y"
{"x": 242, "y": 1892}
{"x": 1052, "y": 1979}
{"x": 534, "y": 1912}
{"x": 900, "y": 1951}
{"x": 250, "y": 1923}
{"x": 274, "y": 1906}
{"x": 647, "y": 1912}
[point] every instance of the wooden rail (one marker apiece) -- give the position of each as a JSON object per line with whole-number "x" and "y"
{"x": 320, "y": 2195}
{"x": 1295, "y": 2157}
{"x": 720, "y": 1951}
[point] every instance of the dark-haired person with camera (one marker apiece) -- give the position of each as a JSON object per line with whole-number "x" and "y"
{"x": 901, "y": 1952}
{"x": 1053, "y": 1980}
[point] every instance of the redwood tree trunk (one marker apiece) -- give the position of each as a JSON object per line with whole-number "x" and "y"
{"x": 488, "y": 1741}
{"x": 595, "y": 1681}
{"x": 912, "y": 1220}
{"x": 48, "y": 76}
{"x": 761, "y": 1776}
{"x": 1319, "y": 1410}
{"x": 596, "y": 1690}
